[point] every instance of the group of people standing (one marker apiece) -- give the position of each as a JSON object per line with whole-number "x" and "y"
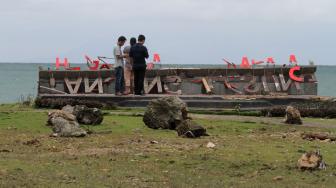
{"x": 130, "y": 66}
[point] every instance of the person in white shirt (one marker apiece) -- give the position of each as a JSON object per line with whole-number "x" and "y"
{"x": 119, "y": 66}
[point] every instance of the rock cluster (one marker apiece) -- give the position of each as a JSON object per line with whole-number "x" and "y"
{"x": 85, "y": 115}
{"x": 172, "y": 113}
{"x": 65, "y": 122}
{"x": 292, "y": 116}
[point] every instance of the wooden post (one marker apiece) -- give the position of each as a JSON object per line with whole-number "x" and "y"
{"x": 146, "y": 85}
{"x": 229, "y": 86}
{"x": 276, "y": 82}
{"x": 52, "y": 82}
{"x": 298, "y": 87}
{"x": 52, "y": 90}
{"x": 285, "y": 85}
{"x": 210, "y": 82}
{"x": 265, "y": 84}
{"x": 159, "y": 85}
{"x": 98, "y": 82}
{"x": 254, "y": 84}
{"x": 174, "y": 80}
{"x": 70, "y": 83}
{"x": 156, "y": 81}
{"x": 313, "y": 78}
{"x": 206, "y": 86}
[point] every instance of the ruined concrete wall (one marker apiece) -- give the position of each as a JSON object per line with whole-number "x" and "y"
{"x": 259, "y": 81}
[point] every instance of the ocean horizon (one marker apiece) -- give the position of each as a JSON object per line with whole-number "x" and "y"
{"x": 19, "y": 80}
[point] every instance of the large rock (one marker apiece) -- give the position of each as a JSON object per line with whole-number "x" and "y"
{"x": 188, "y": 128}
{"x": 165, "y": 113}
{"x": 172, "y": 113}
{"x": 311, "y": 161}
{"x": 64, "y": 124}
{"x": 85, "y": 115}
{"x": 292, "y": 116}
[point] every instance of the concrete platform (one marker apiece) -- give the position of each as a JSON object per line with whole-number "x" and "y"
{"x": 194, "y": 101}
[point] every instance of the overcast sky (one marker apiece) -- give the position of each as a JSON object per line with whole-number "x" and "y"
{"x": 181, "y": 31}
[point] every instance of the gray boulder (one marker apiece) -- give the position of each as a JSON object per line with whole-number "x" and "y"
{"x": 69, "y": 109}
{"x": 64, "y": 124}
{"x": 172, "y": 113}
{"x": 85, "y": 115}
{"x": 293, "y": 116}
{"x": 165, "y": 113}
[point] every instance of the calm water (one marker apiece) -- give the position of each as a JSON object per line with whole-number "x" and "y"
{"x": 21, "y": 80}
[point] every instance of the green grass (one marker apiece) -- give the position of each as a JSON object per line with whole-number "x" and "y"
{"x": 247, "y": 154}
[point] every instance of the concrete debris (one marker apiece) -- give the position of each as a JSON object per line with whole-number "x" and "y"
{"x": 278, "y": 178}
{"x": 154, "y": 142}
{"x": 210, "y": 145}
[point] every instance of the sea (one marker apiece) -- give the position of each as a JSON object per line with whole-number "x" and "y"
{"x": 19, "y": 80}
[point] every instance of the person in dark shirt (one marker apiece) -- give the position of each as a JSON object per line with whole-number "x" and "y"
{"x": 139, "y": 54}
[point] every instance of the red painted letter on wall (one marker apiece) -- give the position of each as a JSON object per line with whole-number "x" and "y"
{"x": 292, "y": 75}
{"x": 65, "y": 64}
{"x": 292, "y": 59}
{"x": 245, "y": 63}
{"x": 156, "y": 58}
{"x": 270, "y": 60}
{"x": 89, "y": 62}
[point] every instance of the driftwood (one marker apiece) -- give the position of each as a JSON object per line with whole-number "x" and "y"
{"x": 318, "y": 136}
{"x": 69, "y": 84}
{"x": 156, "y": 81}
{"x": 277, "y": 83}
{"x": 206, "y": 86}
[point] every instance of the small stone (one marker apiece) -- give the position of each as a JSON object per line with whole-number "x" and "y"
{"x": 278, "y": 178}
{"x": 210, "y": 145}
{"x": 326, "y": 140}
{"x": 154, "y": 142}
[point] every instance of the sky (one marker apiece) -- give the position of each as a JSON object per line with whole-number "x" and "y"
{"x": 181, "y": 31}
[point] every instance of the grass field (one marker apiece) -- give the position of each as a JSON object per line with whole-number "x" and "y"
{"x": 248, "y": 153}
